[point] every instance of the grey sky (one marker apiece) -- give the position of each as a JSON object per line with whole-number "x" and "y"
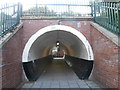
{"x": 47, "y": 1}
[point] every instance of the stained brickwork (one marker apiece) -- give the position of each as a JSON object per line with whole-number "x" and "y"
{"x": 106, "y": 59}
{"x": 12, "y": 62}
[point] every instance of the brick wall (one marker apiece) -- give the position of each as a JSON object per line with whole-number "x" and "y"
{"x": 12, "y": 62}
{"x": 12, "y": 50}
{"x": 32, "y": 26}
{"x": 106, "y": 59}
{"x": 106, "y": 53}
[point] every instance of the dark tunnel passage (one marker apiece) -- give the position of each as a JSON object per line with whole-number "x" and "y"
{"x": 38, "y": 55}
{"x": 34, "y": 70}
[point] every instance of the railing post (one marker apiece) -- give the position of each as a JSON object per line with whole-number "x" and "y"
{"x": 18, "y": 13}
{"x": 69, "y": 10}
{"x": 119, "y": 19}
{"x": 45, "y": 10}
{"x": 94, "y": 11}
{"x": 36, "y": 10}
{"x": 92, "y": 8}
{"x": 20, "y": 9}
{"x": 1, "y": 22}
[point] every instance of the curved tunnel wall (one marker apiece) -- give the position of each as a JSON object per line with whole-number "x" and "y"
{"x": 71, "y": 40}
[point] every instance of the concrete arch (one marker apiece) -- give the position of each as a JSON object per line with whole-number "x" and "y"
{"x": 52, "y": 28}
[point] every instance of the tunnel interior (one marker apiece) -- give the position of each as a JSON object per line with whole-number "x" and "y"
{"x": 39, "y": 55}
{"x": 68, "y": 42}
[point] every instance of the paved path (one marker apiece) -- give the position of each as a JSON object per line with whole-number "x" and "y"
{"x": 60, "y": 75}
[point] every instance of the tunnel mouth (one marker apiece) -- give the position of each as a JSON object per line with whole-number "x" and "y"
{"x": 37, "y": 52}
{"x": 71, "y": 41}
{"x": 68, "y": 42}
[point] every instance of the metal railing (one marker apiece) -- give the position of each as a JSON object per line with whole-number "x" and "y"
{"x": 57, "y": 10}
{"x": 107, "y": 14}
{"x": 9, "y": 17}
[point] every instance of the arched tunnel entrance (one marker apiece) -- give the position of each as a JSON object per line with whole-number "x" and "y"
{"x": 37, "y": 54}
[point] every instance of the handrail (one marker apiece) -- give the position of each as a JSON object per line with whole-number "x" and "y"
{"x": 107, "y": 14}
{"x": 58, "y": 10}
{"x": 9, "y": 17}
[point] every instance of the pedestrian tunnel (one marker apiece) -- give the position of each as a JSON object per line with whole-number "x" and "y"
{"x": 37, "y": 54}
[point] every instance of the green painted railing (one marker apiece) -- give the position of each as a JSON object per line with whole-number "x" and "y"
{"x": 107, "y": 14}
{"x": 9, "y": 17}
{"x": 57, "y": 10}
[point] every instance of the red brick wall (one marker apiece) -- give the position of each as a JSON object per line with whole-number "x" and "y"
{"x": 32, "y": 26}
{"x": 106, "y": 59}
{"x": 12, "y": 50}
{"x": 12, "y": 62}
{"x": 106, "y": 53}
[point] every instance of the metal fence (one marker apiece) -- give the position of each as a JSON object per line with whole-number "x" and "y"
{"x": 107, "y": 14}
{"x": 9, "y": 17}
{"x": 58, "y": 10}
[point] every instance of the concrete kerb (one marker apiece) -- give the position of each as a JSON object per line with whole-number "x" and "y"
{"x": 9, "y": 35}
{"x": 114, "y": 38}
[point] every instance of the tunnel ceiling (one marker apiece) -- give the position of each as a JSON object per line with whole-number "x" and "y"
{"x": 69, "y": 42}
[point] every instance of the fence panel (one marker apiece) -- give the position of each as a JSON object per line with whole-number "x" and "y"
{"x": 9, "y": 17}
{"x": 57, "y": 10}
{"x": 107, "y": 14}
